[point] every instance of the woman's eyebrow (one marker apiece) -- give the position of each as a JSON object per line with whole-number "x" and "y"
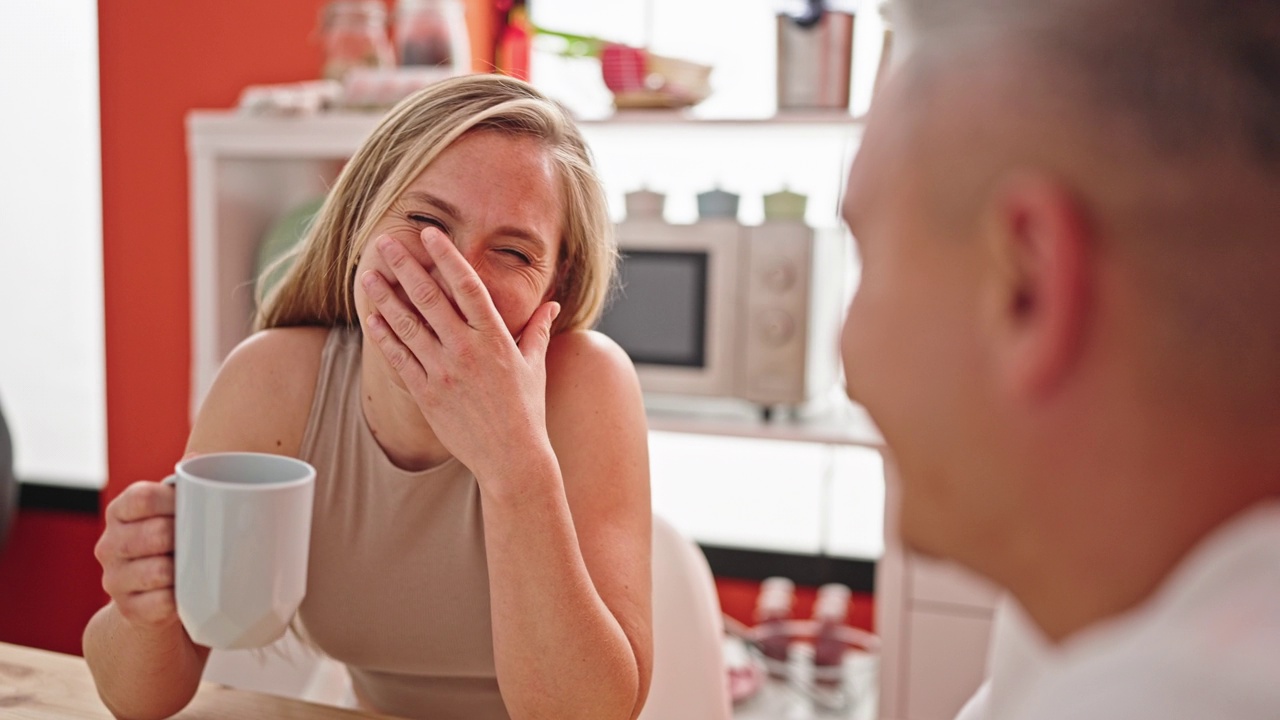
{"x": 522, "y": 234}
{"x": 422, "y": 197}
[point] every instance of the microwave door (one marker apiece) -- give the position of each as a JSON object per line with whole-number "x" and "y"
{"x": 674, "y": 309}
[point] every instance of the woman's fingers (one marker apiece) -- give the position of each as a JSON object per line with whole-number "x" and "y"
{"x": 142, "y": 499}
{"x": 401, "y": 359}
{"x": 428, "y": 297}
{"x": 461, "y": 281}
{"x": 136, "y": 550}
{"x": 405, "y": 340}
{"x": 154, "y": 608}
{"x": 139, "y": 524}
{"x": 138, "y": 576}
{"x": 145, "y": 538}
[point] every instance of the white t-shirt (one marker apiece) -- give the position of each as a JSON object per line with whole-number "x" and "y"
{"x": 1206, "y": 646}
{"x": 1016, "y": 658}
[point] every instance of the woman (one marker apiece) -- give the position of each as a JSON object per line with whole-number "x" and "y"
{"x": 480, "y": 545}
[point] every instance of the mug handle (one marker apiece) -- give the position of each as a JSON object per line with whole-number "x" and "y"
{"x": 171, "y": 480}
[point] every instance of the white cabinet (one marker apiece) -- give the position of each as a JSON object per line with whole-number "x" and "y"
{"x": 244, "y": 174}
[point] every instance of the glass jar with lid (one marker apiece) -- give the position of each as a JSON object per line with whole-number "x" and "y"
{"x": 432, "y": 33}
{"x": 355, "y": 35}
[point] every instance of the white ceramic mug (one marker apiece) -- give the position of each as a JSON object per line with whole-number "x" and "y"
{"x": 241, "y": 535}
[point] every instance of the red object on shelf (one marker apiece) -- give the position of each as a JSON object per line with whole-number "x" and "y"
{"x": 738, "y": 601}
{"x": 513, "y": 38}
{"x": 513, "y": 52}
{"x": 625, "y": 68}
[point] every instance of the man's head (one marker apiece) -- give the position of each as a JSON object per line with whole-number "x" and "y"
{"x": 1068, "y": 213}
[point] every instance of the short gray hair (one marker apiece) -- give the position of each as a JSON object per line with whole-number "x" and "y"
{"x": 1194, "y": 87}
{"x": 1199, "y": 76}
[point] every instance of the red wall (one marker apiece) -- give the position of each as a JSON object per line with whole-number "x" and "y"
{"x": 49, "y": 581}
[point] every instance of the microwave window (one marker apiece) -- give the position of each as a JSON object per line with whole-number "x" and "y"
{"x": 659, "y": 314}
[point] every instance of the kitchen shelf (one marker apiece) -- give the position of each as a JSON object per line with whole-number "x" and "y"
{"x": 248, "y": 170}
{"x": 332, "y": 131}
{"x": 839, "y": 423}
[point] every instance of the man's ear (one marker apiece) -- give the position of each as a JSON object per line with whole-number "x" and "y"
{"x": 1037, "y": 301}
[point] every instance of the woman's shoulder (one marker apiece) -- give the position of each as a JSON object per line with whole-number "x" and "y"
{"x": 261, "y": 396}
{"x": 584, "y": 366}
{"x": 578, "y": 357}
{"x": 278, "y": 359}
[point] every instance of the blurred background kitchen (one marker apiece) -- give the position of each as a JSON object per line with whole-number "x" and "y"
{"x": 158, "y": 155}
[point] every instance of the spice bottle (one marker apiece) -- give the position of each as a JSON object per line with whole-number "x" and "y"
{"x": 432, "y": 33}
{"x": 355, "y": 35}
{"x": 773, "y": 609}
{"x": 829, "y": 612}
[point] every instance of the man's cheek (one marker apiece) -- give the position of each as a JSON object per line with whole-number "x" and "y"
{"x": 855, "y": 346}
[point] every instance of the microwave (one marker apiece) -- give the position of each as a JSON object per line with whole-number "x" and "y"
{"x": 716, "y": 309}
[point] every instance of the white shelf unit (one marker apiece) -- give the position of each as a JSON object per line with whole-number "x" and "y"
{"x": 245, "y": 172}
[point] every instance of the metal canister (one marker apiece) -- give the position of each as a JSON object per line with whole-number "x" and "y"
{"x": 815, "y": 55}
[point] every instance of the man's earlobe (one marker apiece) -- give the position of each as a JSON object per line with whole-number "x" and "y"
{"x": 1039, "y": 238}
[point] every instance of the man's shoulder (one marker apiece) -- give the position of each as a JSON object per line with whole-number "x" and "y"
{"x": 1168, "y": 679}
{"x": 1206, "y": 646}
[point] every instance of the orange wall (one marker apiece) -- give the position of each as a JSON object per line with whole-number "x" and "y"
{"x": 158, "y": 61}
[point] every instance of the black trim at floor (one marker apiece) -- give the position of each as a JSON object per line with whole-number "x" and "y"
{"x": 807, "y": 570}
{"x": 755, "y": 565}
{"x": 39, "y": 496}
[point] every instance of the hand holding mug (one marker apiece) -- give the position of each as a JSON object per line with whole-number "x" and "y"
{"x": 221, "y": 545}
{"x": 136, "y": 554}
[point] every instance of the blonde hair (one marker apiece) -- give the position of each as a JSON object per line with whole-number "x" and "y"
{"x": 317, "y": 288}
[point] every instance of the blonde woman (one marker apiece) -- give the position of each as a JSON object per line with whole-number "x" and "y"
{"x": 480, "y": 545}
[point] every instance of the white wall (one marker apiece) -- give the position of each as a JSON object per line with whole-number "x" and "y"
{"x": 52, "y": 375}
{"x": 738, "y": 38}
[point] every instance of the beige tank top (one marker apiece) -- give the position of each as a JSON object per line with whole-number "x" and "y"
{"x": 397, "y": 585}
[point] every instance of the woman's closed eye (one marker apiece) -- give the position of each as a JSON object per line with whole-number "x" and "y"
{"x": 421, "y": 219}
{"x": 518, "y": 255}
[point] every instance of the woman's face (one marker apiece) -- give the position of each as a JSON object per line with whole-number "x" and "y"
{"x": 498, "y": 197}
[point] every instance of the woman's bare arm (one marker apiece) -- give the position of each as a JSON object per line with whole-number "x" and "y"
{"x": 143, "y": 663}
{"x": 569, "y": 548}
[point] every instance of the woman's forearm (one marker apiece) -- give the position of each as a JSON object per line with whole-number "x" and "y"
{"x": 141, "y": 673}
{"x": 560, "y": 652}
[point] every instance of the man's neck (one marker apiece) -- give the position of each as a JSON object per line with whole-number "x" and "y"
{"x": 1112, "y": 550}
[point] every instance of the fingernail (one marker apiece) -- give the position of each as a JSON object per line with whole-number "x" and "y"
{"x": 369, "y": 278}
{"x": 384, "y": 243}
{"x": 555, "y": 312}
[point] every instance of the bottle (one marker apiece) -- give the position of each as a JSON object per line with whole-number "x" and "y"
{"x": 515, "y": 39}
{"x": 355, "y": 35}
{"x": 773, "y": 609}
{"x": 829, "y": 612}
{"x": 432, "y": 33}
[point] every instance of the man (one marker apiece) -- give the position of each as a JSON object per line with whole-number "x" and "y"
{"x": 1068, "y": 330}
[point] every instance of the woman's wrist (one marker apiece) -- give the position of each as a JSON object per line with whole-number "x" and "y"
{"x": 521, "y": 477}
